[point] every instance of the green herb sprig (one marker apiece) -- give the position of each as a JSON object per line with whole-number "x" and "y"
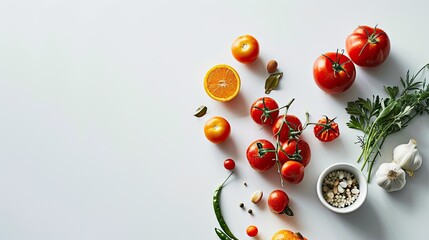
{"x": 377, "y": 118}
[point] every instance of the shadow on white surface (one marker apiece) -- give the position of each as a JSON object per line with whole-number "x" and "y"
{"x": 364, "y": 222}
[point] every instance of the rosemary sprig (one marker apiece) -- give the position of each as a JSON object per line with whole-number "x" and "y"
{"x": 377, "y": 118}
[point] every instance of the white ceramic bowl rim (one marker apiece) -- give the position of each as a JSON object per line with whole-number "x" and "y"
{"x": 363, "y": 186}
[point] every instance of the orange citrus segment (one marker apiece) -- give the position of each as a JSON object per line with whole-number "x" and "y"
{"x": 222, "y": 83}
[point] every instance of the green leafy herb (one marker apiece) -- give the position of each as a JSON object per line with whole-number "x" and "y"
{"x": 272, "y": 82}
{"x": 201, "y": 111}
{"x": 377, "y": 118}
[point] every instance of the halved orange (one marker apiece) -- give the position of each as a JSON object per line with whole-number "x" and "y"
{"x": 222, "y": 83}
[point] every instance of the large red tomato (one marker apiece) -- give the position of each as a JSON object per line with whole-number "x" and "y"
{"x": 297, "y": 150}
{"x": 264, "y": 111}
{"x": 334, "y": 73}
{"x": 368, "y": 46}
{"x": 261, "y": 155}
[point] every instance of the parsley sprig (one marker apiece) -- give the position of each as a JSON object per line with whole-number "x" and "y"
{"x": 379, "y": 117}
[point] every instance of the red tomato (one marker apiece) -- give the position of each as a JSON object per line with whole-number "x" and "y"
{"x": 217, "y": 129}
{"x": 285, "y": 127}
{"x": 252, "y": 231}
{"x": 263, "y": 111}
{"x": 261, "y": 155}
{"x": 278, "y": 202}
{"x": 297, "y": 150}
{"x": 245, "y": 49}
{"x": 368, "y": 46}
{"x": 229, "y": 164}
{"x": 326, "y": 130}
{"x": 334, "y": 73}
{"x": 292, "y": 172}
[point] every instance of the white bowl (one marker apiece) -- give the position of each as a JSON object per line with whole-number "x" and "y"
{"x": 363, "y": 187}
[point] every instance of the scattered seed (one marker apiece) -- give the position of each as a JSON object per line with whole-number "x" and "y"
{"x": 250, "y": 211}
{"x": 272, "y": 66}
{"x": 355, "y": 191}
{"x": 201, "y": 111}
{"x": 245, "y": 184}
{"x": 242, "y": 205}
{"x": 256, "y": 197}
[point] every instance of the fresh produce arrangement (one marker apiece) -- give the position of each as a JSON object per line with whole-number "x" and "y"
{"x": 334, "y": 73}
{"x": 380, "y": 117}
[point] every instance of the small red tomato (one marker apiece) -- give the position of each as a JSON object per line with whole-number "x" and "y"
{"x": 285, "y": 127}
{"x": 229, "y": 164}
{"x": 245, "y": 49}
{"x": 326, "y": 130}
{"x": 261, "y": 155}
{"x": 297, "y": 150}
{"x": 368, "y": 46}
{"x": 252, "y": 231}
{"x": 278, "y": 202}
{"x": 217, "y": 129}
{"x": 292, "y": 172}
{"x": 334, "y": 73}
{"x": 264, "y": 111}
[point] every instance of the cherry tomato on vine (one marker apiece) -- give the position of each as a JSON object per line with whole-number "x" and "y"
{"x": 368, "y": 46}
{"x": 264, "y": 111}
{"x": 245, "y": 49}
{"x": 294, "y": 149}
{"x": 292, "y": 172}
{"x": 229, "y": 164}
{"x": 284, "y": 127}
{"x": 252, "y": 231}
{"x": 217, "y": 129}
{"x": 334, "y": 72}
{"x": 261, "y": 155}
{"x": 278, "y": 202}
{"x": 326, "y": 130}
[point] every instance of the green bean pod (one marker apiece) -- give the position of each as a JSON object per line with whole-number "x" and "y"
{"x": 218, "y": 211}
{"x": 222, "y": 235}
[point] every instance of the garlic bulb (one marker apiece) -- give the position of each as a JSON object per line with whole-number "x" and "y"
{"x": 407, "y": 156}
{"x": 390, "y": 176}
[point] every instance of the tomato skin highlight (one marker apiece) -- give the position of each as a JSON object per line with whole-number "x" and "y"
{"x": 295, "y": 148}
{"x": 334, "y": 73}
{"x": 292, "y": 172}
{"x": 368, "y": 46}
{"x": 217, "y": 129}
{"x": 245, "y": 49}
{"x": 261, "y": 162}
{"x": 264, "y": 104}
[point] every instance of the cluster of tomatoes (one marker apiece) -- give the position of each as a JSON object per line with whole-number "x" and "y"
{"x": 334, "y": 73}
{"x": 367, "y": 46}
{"x": 290, "y": 151}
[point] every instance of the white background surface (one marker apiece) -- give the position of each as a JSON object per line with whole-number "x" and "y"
{"x": 98, "y": 138}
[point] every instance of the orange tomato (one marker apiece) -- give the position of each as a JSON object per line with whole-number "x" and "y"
{"x": 245, "y": 49}
{"x": 287, "y": 235}
{"x": 217, "y": 129}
